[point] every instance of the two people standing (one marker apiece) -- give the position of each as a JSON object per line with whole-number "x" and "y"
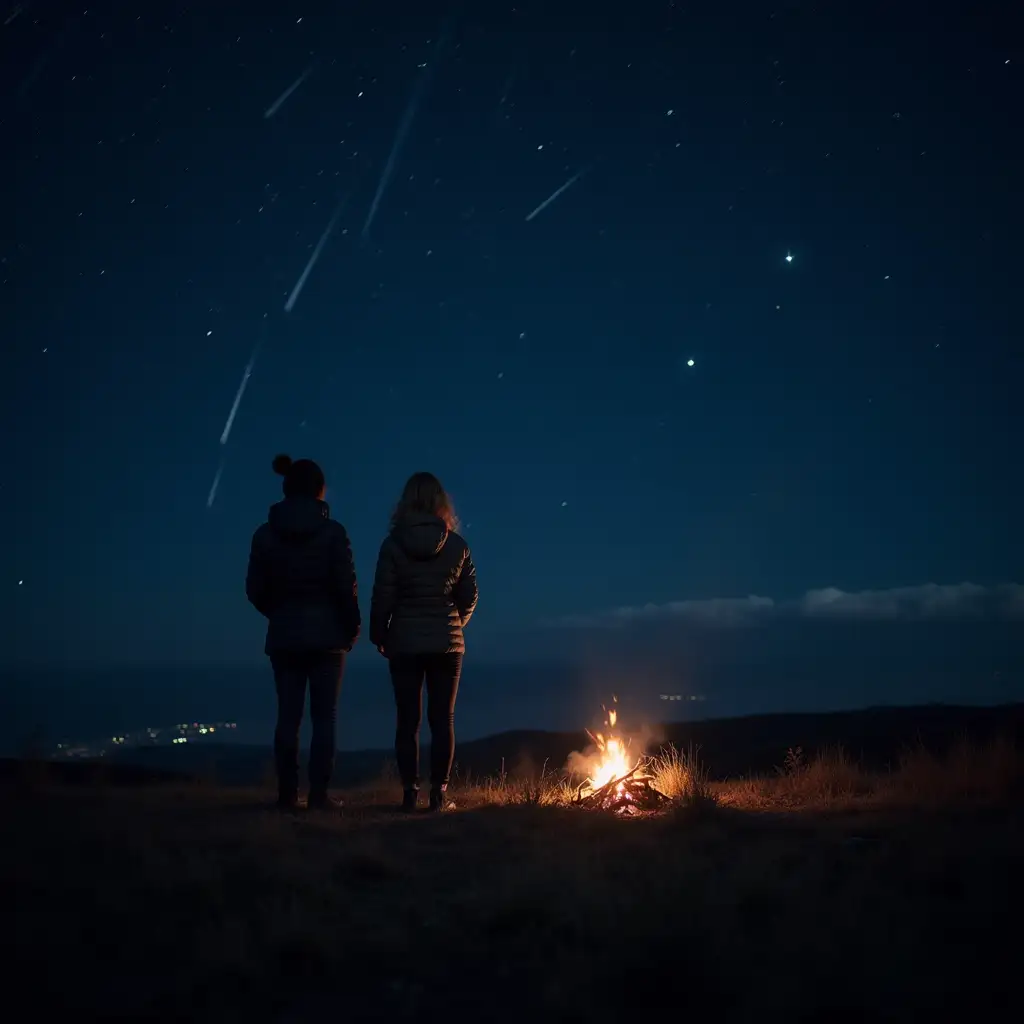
{"x": 302, "y": 578}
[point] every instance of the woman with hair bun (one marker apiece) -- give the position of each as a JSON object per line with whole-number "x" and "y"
{"x": 302, "y": 579}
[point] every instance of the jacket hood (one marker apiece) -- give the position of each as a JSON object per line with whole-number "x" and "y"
{"x": 298, "y": 519}
{"x": 420, "y": 536}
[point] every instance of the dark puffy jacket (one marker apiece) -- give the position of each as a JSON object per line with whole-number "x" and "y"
{"x": 301, "y": 577}
{"x": 424, "y": 591}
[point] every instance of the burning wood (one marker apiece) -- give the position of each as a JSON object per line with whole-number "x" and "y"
{"x": 627, "y": 795}
{"x": 613, "y": 785}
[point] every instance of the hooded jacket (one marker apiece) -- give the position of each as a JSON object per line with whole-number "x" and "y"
{"x": 302, "y": 578}
{"x": 424, "y": 590}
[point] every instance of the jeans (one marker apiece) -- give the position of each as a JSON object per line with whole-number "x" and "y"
{"x": 291, "y": 673}
{"x": 441, "y": 672}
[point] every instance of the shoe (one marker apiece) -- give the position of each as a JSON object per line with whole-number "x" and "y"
{"x": 439, "y": 800}
{"x": 286, "y": 802}
{"x": 409, "y": 798}
{"x": 323, "y": 802}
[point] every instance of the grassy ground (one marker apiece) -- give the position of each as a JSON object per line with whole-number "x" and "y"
{"x": 818, "y": 893}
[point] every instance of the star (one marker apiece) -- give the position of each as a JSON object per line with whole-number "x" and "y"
{"x": 789, "y": 257}
{"x": 689, "y": 362}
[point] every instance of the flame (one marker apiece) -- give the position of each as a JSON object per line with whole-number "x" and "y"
{"x": 612, "y": 761}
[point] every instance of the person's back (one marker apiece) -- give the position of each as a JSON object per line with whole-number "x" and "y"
{"x": 301, "y": 577}
{"x": 432, "y": 597}
{"x": 424, "y": 594}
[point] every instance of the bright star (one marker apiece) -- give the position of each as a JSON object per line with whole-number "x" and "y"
{"x": 689, "y": 362}
{"x": 789, "y": 257}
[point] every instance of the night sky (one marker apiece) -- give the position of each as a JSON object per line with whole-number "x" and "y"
{"x": 766, "y": 340}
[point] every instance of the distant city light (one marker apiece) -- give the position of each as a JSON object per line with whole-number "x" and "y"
{"x": 147, "y": 736}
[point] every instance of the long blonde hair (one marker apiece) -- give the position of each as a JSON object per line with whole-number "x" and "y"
{"x": 423, "y": 494}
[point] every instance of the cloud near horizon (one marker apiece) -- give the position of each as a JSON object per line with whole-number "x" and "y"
{"x": 929, "y": 601}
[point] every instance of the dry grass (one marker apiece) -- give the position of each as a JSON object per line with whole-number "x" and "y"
{"x": 683, "y": 778}
{"x": 678, "y": 775}
{"x": 969, "y": 773}
{"x": 831, "y": 780}
{"x": 204, "y": 904}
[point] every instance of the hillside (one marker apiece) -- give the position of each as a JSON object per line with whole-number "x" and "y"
{"x": 824, "y": 893}
{"x": 730, "y": 747}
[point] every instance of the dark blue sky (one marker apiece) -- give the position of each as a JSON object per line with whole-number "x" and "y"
{"x": 851, "y": 420}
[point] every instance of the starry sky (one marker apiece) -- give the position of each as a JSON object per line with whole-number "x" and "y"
{"x": 699, "y": 311}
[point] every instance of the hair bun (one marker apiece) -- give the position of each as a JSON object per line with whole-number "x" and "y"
{"x": 281, "y": 464}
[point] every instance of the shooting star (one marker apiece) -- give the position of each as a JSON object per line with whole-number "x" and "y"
{"x": 403, "y": 128}
{"x": 280, "y": 101}
{"x": 212, "y": 496}
{"x": 554, "y": 195}
{"x": 45, "y": 58}
{"x": 500, "y": 111}
{"x": 238, "y": 397}
{"x": 508, "y": 87}
{"x": 297, "y": 290}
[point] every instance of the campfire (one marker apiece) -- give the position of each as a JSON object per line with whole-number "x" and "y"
{"x": 618, "y": 781}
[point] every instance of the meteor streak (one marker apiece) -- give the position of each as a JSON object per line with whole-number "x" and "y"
{"x": 238, "y": 397}
{"x": 297, "y": 290}
{"x": 212, "y": 496}
{"x": 280, "y": 101}
{"x": 403, "y": 129}
{"x": 554, "y": 195}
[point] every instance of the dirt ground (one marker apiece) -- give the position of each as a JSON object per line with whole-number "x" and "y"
{"x": 203, "y": 904}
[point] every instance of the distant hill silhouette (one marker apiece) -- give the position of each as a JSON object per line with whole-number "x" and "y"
{"x": 87, "y": 773}
{"x": 729, "y": 747}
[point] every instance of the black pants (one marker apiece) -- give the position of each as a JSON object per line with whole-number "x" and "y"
{"x": 442, "y": 673}
{"x": 291, "y": 673}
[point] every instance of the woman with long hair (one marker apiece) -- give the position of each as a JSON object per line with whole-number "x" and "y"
{"x": 424, "y": 594}
{"x": 302, "y": 579}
